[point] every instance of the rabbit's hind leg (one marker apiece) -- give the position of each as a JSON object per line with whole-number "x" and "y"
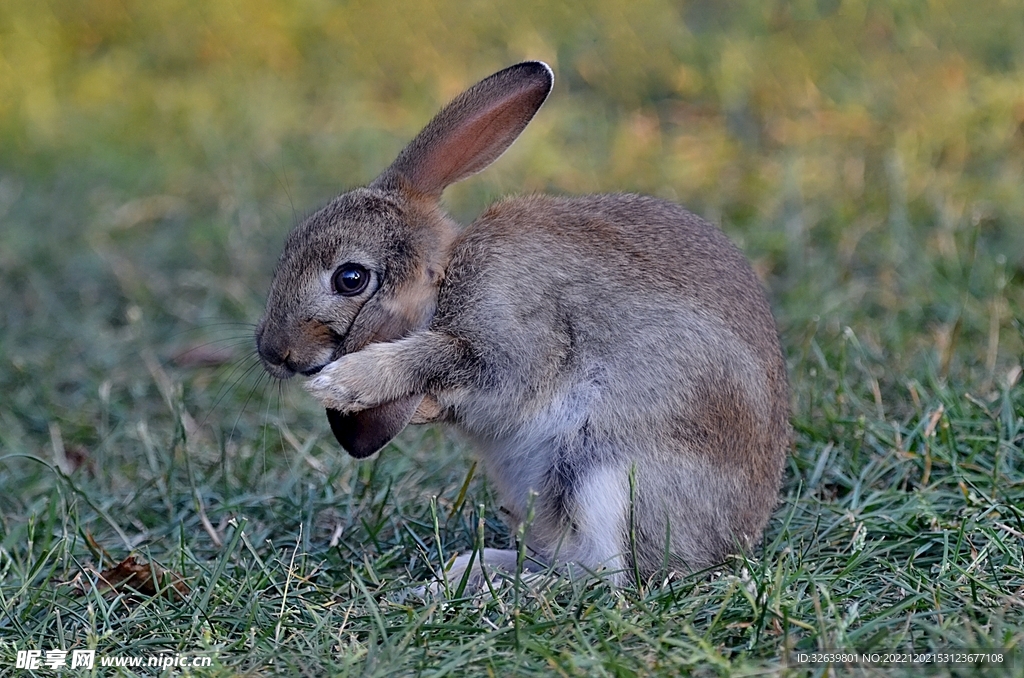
{"x": 594, "y": 520}
{"x": 581, "y": 526}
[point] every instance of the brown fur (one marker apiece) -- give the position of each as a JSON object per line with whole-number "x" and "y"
{"x": 586, "y": 345}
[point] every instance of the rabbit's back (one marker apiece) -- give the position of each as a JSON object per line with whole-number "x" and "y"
{"x": 605, "y": 281}
{"x": 629, "y": 322}
{"x": 623, "y": 251}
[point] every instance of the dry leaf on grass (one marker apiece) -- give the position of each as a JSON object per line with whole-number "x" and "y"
{"x": 134, "y": 577}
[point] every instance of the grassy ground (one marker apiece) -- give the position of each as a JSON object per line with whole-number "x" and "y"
{"x": 869, "y": 160}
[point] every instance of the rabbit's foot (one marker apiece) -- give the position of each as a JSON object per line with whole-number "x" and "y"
{"x": 498, "y": 567}
{"x": 354, "y": 382}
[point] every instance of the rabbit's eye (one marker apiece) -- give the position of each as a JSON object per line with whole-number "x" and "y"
{"x": 350, "y": 279}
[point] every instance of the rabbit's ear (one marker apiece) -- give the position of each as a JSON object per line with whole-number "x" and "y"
{"x": 363, "y": 433}
{"x": 472, "y": 131}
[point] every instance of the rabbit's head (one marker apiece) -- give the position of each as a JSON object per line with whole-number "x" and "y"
{"x": 367, "y": 267}
{"x": 364, "y": 268}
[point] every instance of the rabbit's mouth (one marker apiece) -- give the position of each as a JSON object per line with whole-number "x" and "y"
{"x": 338, "y": 350}
{"x": 285, "y": 365}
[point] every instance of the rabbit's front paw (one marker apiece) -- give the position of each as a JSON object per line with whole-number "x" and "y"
{"x": 346, "y": 384}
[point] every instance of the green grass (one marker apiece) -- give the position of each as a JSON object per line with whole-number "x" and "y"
{"x": 864, "y": 551}
{"x": 868, "y": 158}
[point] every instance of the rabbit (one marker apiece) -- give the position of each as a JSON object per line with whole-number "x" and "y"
{"x": 612, "y": 358}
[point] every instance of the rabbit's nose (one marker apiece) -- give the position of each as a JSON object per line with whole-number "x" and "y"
{"x": 272, "y": 352}
{"x": 275, "y": 356}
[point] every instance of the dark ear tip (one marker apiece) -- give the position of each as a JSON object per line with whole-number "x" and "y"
{"x": 533, "y": 70}
{"x": 363, "y": 433}
{"x": 537, "y": 67}
{"x": 353, "y": 437}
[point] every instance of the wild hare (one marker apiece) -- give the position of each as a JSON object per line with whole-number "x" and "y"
{"x": 613, "y": 354}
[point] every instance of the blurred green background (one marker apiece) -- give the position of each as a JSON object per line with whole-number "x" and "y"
{"x": 868, "y": 157}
